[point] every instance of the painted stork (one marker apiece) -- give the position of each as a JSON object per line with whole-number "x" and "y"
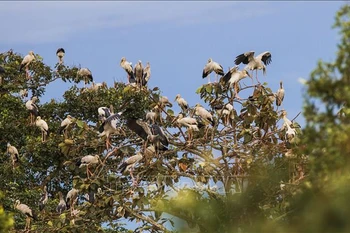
{"x": 146, "y": 74}
{"x": 87, "y": 161}
{"x": 86, "y": 74}
{"x": 210, "y": 67}
{"x": 33, "y": 109}
{"x": 109, "y": 126}
{"x": 254, "y": 63}
{"x": 138, "y": 71}
{"x": 280, "y": 95}
{"x": 24, "y": 209}
{"x": 60, "y": 54}
{"x": 43, "y": 199}
{"x": 130, "y": 163}
{"x": 233, "y": 77}
{"x": 190, "y": 123}
{"x": 71, "y": 198}
{"x": 128, "y": 68}
{"x": 65, "y": 125}
{"x": 62, "y": 204}
{"x": 13, "y": 154}
{"x": 181, "y": 102}
{"x": 103, "y": 113}
{"x": 30, "y": 57}
{"x": 204, "y": 114}
{"x": 42, "y": 125}
{"x": 2, "y": 72}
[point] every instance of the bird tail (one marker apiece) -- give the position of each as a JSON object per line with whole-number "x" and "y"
{"x": 122, "y": 167}
{"x": 60, "y": 130}
{"x": 78, "y": 163}
{"x": 264, "y": 70}
{"x": 212, "y": 122}
{"x": 41, "y": 206}
{"x": 35, "y": 217}
{"x": 21, "y": 67}
{"x": 48, "y": 132}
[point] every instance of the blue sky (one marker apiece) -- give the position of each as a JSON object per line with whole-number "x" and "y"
{"x": 177, "y": 38}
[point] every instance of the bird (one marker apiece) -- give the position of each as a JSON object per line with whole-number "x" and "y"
{"x": 43, "y": 199}
{"x": 134, "y": 125}
{"x": 280, "y": 95}
{"x": 23, "y": 93}
{"x": 30, "y": 57}
{"x": 232, "y": 77}
{"x": 62, "y": 204}
{"x": 65, "y": 124}
{"x": 103, "y": 113}
{"x": 86, "y": 161}
{"x": 203, "y": 113}
{"x": 152, "y": 116}
{"x": 130, "y": 163}
{"x": 97, "y": 86}
{"x": 190, "y": 123}
{"x": 164, "y": 101}
{"x": 2, "y": 72}
{"x": 128, "y": 68}
{"x": 86, "y": 74}
{"x": 210, "y": 67}
{"x": 226, "y": 112}
{"x": 138, "y": 72}
{"x": 181, "y": 102}
{"x": 13, "y": 153}
{"x": 33, "y": 109}
{"x": 24, "y": 209}
{"x": 43, "y": 127}
{"x": 60, "y": 54}
{"x": 254, "y": 63}
{"x": 146, "y": 74}
{"x": 110, "y": 126}
{"x": 155, "y": 135}
{"x": 71, "y": 198}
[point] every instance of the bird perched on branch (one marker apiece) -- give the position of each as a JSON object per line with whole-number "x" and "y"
{"x": 60, "y": 54}
{"x": 87, "y": 161}
{"x": 24, "y": 209}
{"x": 43, "y": 199}
{"x": 254, "y": 63}
{"x": 62, "y": 204}
{"x": 280, "y": 95}
{"x": 232, "y": 77}
{"x": 42, "y": 125}
{"x": 110, "y": 126}
{"x": 210, "y": 67}
{"x": 30, "y": 57}
{"x": 103, "y": 113}
{"x": 204, "y": 114}
{"x": 130, "y": 163}
{"x": 155, "y": 135}
{"x": 33, "y": 109}
{"x": 138, "y": 72}
{"x": 181, "y": 102}
{"x": 13, "y": 154}
{"x": 65, "y": 124}
{"x": 190, "y": 123}
{"x": 86, "y": 74}
{"x": 146, "y": 74}
{"x": 71, "y": 198}
{"x": 128, "y": 68}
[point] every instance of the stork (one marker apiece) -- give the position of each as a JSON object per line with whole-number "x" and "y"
{"x": 23, "y": 93}
{"x": 62, "y": 204}
{"x": 280, "y": 95}
{"x": 152, "y": 116}
{"x": 103, "y": 113}
{"x": 42, "y": 125}
{"x": 43, "y": 199}
{"x": 146, "y": 74}
{"x": 155, "y": 135}
{"x": 190, "y": 123}
{"x": 109, "y": 126}
{"x": 64, "y": 125}
{"x": 254, "y": 63}
{"x": 210, "y": 67}
{"x": 71, "y": 198}
{"x": 130, "y": 163}
{"x": 24, "y": 209}
{"x": 60, "y": 54}
{"x": 2, "y": 72}
{"x": 226, "y": 112}
{"x": 13, "y": 154}
{"x": 204, "y": 114}
{"x": 96, "y": 86}
{"x": 33, "y": 109}
{"x": 164, "y": 101}
{"x": 30, "y": 57}
{"x": 181, "y": 102}
{"x": 128, "y": 68}
{"x": 138, "y": 72}
{"x": 87, "y": 161}
{"x": 86, "y": 74}
{"x": 233, "y": 76}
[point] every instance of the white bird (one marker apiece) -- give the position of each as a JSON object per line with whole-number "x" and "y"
{"x": 13, "y": 153}
{"x": 290, "y": 133}
{"x": 286, "y": 121}
{"x": 110, "y": 126}
{"x": 62, "y": 204}
{"x": 60, "y": 54}
{"x": 181, "y": 102}
{"x": 96, "y": 86}
{"x": 233, "y": 76}
{"x": 190, "y": 123}
{"x": 23, "y": 93}
{"x": 43, "y": 127}
{"x": 254, "y": 63}
{"x": 146, "y": 74}
{"x": 128, "y": 68}
{"x": 2, "y": 72}
{"x": 280, "y": 95}
{"x": 65, "y": 124}
{"x": 43, "y": 199}
{"x": 164, "y": 101}
{"x": 226, "y": 112}
{"x": 138, "y": 72}
{"x": 26, "y": 61}
{"x": 33, "y": 109}
{"x": 210, "y": 67}
{"x": 71, "y": 198}
{"x": 130, "y": 163}
{"x": 24, "y": 209}
{"x": 204, "y": 114}
{"x": 152, "y": 116}
{"x": 103, "y": 113}
{"x": 86, "y": 74}
{"x": 87, "y": 161}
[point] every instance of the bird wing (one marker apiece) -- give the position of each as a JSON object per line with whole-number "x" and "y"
{"x": 111, "y": 117}
{"x": 228, "y": 75}
{"x": 207, "y": 70}
{"x": 60, "y": 50}
{"x": 156, "y": 130}
{"x": 244, "y": 58}
{"x": 265, "y": 57}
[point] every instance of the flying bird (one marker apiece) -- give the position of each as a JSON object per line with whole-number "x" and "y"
{"x": 43, "y": 199}
{"x": 13, "y": 154}
{"x": 32, "y": 108}
{"x": 210, "y": 67}
{"x": 254, "y": 63}
{"x": 65, "y": 124}
{"x": 30, "y": 57}
{"x": 232, "y": 77}
{"x": 280, "y": 95}
{"x": 128, "y": 68}
{"x": 181, "y": 102}
{"x": 62, "y": 204}
{"x": 87, "y": 161}
{"x": 60, "y": 54}
{"x": 24, "y": 209}
{"x": 86, "y": 74}
{"x": 130, "y": 163}
{"x": 138, "y": 72}
{"x": 42, "y": 125}
{"x": 2, "y": 72}
{"x": 110, "y": 126}
{"x": 146, "y": 74}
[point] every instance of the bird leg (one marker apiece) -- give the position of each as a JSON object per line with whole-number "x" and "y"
{"x": 108, "y": 143}
{"x": 236, "y": 92}
{"x": 27, "y": 226}
{"x": 27, "y": 73}
{"x": 209, "y": 78}
{"x": 257, "y": 76}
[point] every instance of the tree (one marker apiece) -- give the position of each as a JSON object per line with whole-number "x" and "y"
{"x": 243, "y": 152}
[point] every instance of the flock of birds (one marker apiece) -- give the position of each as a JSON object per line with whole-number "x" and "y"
{"x": 154, "y": 138}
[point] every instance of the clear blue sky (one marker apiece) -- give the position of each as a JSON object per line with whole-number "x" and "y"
{"x": 177, "y": 38}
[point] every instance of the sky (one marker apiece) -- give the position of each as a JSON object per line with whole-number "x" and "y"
{"x": 177, "y": 38}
